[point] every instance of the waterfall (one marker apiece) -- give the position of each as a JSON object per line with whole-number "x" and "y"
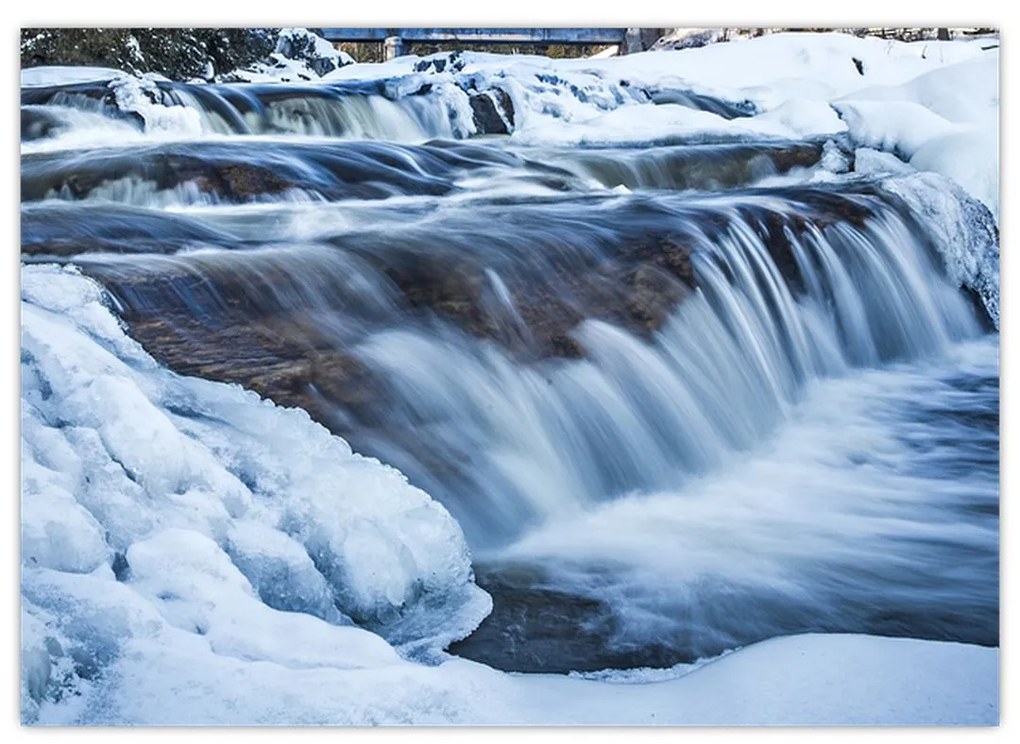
{"x": 676, "y": 397}
{"x": 777, "y": 301}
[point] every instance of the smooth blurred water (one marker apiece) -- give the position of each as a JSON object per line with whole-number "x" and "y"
{"x": 803, "y": 435}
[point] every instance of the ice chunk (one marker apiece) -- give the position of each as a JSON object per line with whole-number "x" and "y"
{"x": 143, "y": 97}
{"x": 56, "y": 531}
{"x": 970, "y": 158}
{"x": 868, "y": 161}
{"x": 963, "y": 231}
{"x": 128, "y": 450}
{"x": 197, "y": 588}
{"x": 281, "y": 571}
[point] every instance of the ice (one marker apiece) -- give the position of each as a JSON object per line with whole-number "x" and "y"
{"x": 151, "y": 483}
{"x": 966, "y": 233}
{"x": 933, "y": 104}
{"x": 970, "y": 158}
{"x": 966, "y": 153}
{"x": 632, "y": 124}
{"x": 834, "y": 159}
{"x": 141, "y": 96}
{"x": 197, "y": 588}
{"x": 57, "y": 531}
{"x": 36, "y": 670}
{"x": 281, "y": 571}
{"x": 868, "y": 161}
{"x": 944, "y": 121}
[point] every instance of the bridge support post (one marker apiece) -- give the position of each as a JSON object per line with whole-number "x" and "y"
{"x": 393, "y": 47}
{"x": 640, "y": 39}
{"x": 632, "y": 43}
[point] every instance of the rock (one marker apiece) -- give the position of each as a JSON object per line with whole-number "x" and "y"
{"x": 37, "y": 123}
{"x": 230, "y": 181}
{"x": 537, "y": 629}
{"x": 243, "y": 182}
{"x": 231, "y": 172}
{"x": 438, "y": 63}
{"x": 493, "y": 111}
{"x": 316, "y": 52}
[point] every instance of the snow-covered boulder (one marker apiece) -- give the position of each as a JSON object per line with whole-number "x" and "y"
{"x": 318, "y": 53}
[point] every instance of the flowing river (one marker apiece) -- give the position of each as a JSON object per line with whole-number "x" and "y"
{"x": 680, "y": 396}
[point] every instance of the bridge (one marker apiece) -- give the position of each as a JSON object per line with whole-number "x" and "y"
{"x": 394, "y": 40}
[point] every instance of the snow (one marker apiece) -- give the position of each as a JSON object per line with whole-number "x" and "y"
{"x": 216, "y": 472}
{"x": 38, "y": 77}
{"x": 899, "y": 127}
{"x": 932, "y": 104}
{"x": 964, "y": 92}
{"x": 944, "y": 121}
{"x": 317, "y": 46}
{"x": 778, "y": 67}
{"x": 300, "y": 55}
{"x": 168, "y": 677}
{"x": 276, "y": 69}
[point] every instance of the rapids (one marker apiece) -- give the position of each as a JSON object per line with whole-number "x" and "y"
{"x": 679, "y": 397}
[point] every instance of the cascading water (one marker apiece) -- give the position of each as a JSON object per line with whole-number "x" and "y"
{"x": 670, "y": 422}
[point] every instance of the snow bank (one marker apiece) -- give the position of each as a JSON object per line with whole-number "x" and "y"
{"x": 944, "y": 121}
{"x": 189, "y": 500}
{"x": 38, "y": 77}
{"x": 780, "y": 67}
{"x": 932, "y": 104}
{"x": 170, "y": 677}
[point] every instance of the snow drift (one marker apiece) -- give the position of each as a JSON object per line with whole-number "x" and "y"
{"x": 152, "y": 500}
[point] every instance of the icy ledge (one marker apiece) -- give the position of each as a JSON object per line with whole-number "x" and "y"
{"x": 962, "y": 229}
{"x": 152, "y": 501}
